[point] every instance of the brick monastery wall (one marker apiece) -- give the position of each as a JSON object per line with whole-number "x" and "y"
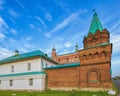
{"x": 67, "y": 58}
{"x": 63, "y": 77}
{"x": 80, "y": 77}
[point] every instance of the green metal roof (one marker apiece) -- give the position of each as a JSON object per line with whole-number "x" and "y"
{"x": 95, "y": 24}
{"x": 21, "y": 74}
{"x": 24, "y": 56}
{"x": 64, "y": 66}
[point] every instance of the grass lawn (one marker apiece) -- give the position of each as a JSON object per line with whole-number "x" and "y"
{"x": 53, "y": 93}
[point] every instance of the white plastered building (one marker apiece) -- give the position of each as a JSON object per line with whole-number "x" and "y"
{"x": 25, "y": 71}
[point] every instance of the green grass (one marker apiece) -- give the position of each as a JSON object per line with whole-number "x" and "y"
{"x": 53, "y": 93}
{"x": 115, "y": 88}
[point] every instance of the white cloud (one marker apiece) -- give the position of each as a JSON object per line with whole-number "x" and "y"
{"x": 32, "y": 26}
{"x": 3, "y": 23}
{"x": 115, "y": 39}
{"x": 29, "y": 38}
{"x": 115, "y": 29}
{"x": 48, "y": 16}
{"x": 14, "y": 31}
{"x": 41, "y": 21}
{"x": 116, "y": 25}
{"x": 65, "y": 22}
{"x": 5, "y": 53}
{"x": 1, "y": 4}
{"x": 62, "y": 5}
{"x": 13, "y": 13}
{"x": 71, "y": 18}
{"x": 3, "y": 28}
{"x": 2, "y": 36}
{"x": 23, "y": 50}
{"x": 21, "y": 5}
{"x": 68, "y": 44}
{"x": 27, "y": 45}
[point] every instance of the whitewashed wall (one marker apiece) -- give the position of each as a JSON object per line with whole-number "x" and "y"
{"x": 22, "y": 83}
{"x": 48, "y": 63}
{"x": 21, "y": 66}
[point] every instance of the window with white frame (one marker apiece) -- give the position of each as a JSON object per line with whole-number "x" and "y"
{"x": 12, "y": 68}
{"x": 29, "y": 66}
{"x": 31, "y": 82}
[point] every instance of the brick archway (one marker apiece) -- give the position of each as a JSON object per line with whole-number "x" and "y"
{"x": 93, "y": 78}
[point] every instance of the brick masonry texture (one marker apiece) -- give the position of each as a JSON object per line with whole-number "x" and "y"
{"x": 94, "y": 69}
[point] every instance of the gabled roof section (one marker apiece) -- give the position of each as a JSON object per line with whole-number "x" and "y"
{"x": 95, "y": 24}
{"x": 63, "y": 66}
{"x": 27, "y": 55}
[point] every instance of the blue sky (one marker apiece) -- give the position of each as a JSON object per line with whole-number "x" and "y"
{"x": 28, "y": 25}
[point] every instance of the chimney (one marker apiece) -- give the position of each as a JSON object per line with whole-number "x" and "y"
{"x": 16, "y": 52}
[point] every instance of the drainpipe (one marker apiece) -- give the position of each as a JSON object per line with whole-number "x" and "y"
{"x": 45, "y": 81}
{"x": 42, "y": 64}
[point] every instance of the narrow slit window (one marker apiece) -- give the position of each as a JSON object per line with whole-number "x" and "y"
{"x": 30, "y": 82}
{"x": 12, "y": 68}
{"x": 11, "y": 82}
{"x": 29, "y": 66}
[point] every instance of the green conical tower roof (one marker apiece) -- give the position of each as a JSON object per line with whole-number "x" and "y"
{"x": 95, "y": 24}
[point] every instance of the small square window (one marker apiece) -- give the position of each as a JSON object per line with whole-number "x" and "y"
{"x": 30, "y": 82}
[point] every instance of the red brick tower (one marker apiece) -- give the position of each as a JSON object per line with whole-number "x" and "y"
{"x": 95, "y": 58}
{"x": 53, "y": 52}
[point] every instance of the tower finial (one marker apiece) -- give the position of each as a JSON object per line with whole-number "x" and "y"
{"x": 53, "y": 45}
{"x": 76, "y": 47}
{"x": 94, "y": 10}
{"x": 53, "y": 50}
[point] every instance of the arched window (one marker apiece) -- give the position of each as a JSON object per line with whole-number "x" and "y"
{"x": 103, "y": 54}
{"x": 76, "y": 59}
{"x": 96, "y": 55}
{"x": 67, "y": 60}
{"x": 90, "y": 56}
{"x": 84, "y": 57}
{"x": 93, "y": 77}
{"x": 58, "y": 60}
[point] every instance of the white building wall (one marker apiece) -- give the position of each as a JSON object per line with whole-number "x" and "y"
{"x": 22, "y": 83}
{"x": 47, "y": 63}
{"x": 21, "y": 66}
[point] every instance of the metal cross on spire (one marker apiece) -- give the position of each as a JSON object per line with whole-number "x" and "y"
{"x": 94, "y": 10}
{"x": 53, "y": 45}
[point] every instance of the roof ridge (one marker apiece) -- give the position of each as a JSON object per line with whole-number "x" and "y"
{"x": 25, "y": 56}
